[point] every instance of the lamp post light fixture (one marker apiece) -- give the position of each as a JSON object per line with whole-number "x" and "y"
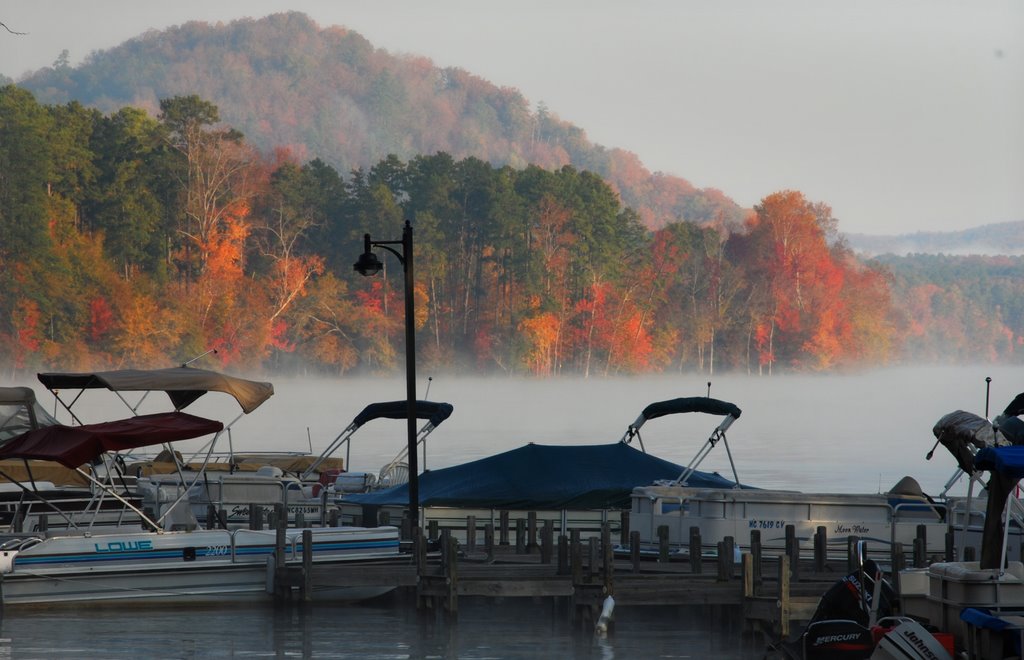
{"x": 369, "y": 265}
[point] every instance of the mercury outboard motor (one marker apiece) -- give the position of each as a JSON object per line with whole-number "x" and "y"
{"x": 853, "y": 597}
{"x": 854, "y": 620}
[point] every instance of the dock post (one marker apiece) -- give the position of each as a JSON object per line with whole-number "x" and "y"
{"x": 470, "y": 533}
{"x": 607, "y": 560}
{"x": 503, "y": 528}
{"x": 591, "y": 558}
{"x": 489, "y": 541}
{"x": 300, "y": 520}
{"x": 755, "y": 553}
{"x": 451, "y": 572}
{"x": 563, "y": 554}
{"x": 547, "y": 543}
{"x": 307, "y": 565}
{"x": 332, "y": 518}
{"x": 748, "y": 575}
{"x": 421, "y": 552}
{"x": 280, "y": 558}
{"x": 969, "y": 552}
{"x": 576, "y": 556}
{"x": 820, "y": 549}
{"x": 520, "y": 536}
{"x": 793, "y": 550}
{"x": 851, "y": 553}
{"x": 211, "y": 516}
{"x": 784, "y": 602}
{"x": 624, "y": 529}
{"x": 729, "y": 548}
{"x": 663, "y": 544}
{"x": 255, "y": 517}
{"x": 531, "y": 525}
{"x": 696, "y": 547}
{"x": 951, "y": 546}
{"x": 724, "y": 562}
{"x": 634, "y": 550}
{"x": 898, "y": 559}
{"x": 432, "y": 530}
{"x": 921, "y": 547}
{"x": 405, "y": 529}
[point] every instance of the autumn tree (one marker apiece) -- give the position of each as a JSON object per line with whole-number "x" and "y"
{"x": 214, "y": 174}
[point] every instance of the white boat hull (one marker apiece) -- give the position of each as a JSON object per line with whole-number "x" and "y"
{"x": 721, "y": 513}
{"x": 199, "y": 565}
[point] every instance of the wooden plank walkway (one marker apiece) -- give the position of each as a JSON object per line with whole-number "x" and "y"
{"x": 438, "y": 582}
{"x": 772, "y": 593}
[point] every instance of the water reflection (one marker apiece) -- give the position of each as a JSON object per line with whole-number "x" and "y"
{"x": 388, "y": 629}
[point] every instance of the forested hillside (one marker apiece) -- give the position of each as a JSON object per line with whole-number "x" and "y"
{"x": 128, "y": 239}
{"x": 964, "y": 309}
{"x": 328, "y": 93}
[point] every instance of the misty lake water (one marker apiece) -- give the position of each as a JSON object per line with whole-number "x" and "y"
{"x": 847, "y": 433}
{"x": 834, "y": 433}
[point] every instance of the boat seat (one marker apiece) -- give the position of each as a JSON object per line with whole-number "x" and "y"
{"x": 393, "y": 475}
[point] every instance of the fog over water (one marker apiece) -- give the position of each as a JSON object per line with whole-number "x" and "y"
{"x": 838, "y": 433}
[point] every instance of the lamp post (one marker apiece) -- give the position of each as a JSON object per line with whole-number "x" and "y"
{"x": 368, "y": 264}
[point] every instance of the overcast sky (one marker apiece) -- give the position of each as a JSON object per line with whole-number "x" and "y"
{"x": 903, "y": 116}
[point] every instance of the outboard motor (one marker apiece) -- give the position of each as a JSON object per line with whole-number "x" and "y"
{"x": 853, "y": 597}
{"x": 909, "y": 639}
{"x": 841, "y": 625}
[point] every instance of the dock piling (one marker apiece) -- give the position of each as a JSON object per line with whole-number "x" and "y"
{"x": 503, "y": 528}
{"x": 547, "y": 541}
{"x": 696, "y": 547}
{"x": 470, "y": 533}
{"x": 520, "y": 536}
{"x": 820, "y": 548}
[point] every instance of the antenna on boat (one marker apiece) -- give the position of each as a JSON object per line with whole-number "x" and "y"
{"x": 430, "y": 379}
{"x": 988, "y": 384}
{"x": 709, "y": 389}
{"x": 188, "y": 362}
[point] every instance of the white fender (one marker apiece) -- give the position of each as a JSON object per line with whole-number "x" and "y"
{"x": 606, "y": 615}
{"x": 7, "y": 561}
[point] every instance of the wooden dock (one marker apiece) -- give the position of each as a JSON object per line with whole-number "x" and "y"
{"x": 774, "y": 594}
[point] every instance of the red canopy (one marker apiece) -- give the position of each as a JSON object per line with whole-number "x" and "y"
{"x": 76, "y": 445}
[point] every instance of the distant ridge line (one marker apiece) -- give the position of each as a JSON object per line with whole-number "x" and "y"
{"x": 1003, "y": 238}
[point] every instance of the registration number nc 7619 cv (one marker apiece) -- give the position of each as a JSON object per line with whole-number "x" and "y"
{"x": 757, "y": 523}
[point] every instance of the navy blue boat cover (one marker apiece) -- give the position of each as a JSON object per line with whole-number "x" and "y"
{"x": 429, "y": 410}
{"x": 543, "y": 477}
{"x": 1007, "y": 461}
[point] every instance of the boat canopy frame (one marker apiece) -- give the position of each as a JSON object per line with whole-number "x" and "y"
{"x": 433, "y": 412}
{"x": 701, "y": 404}
{"x": 20, "y": 412}
{"x": 74, "y": 446}
{"x": 183, "y": 385}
